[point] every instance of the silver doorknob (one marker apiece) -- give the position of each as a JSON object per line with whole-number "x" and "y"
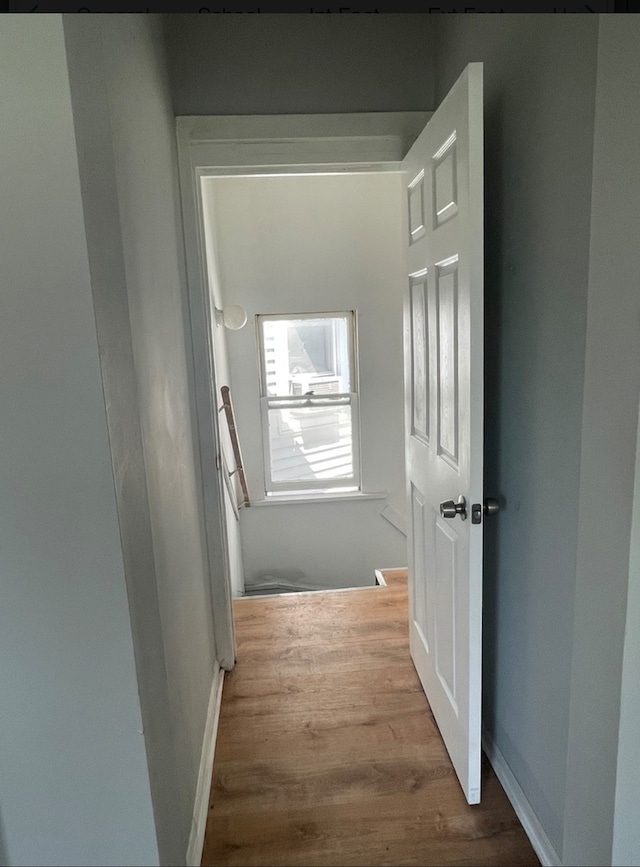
{"x": 449, "y": 509}
{"x": 491, "y": 506}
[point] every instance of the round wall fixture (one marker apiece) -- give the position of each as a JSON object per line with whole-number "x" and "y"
{"x": 232, "y": 316}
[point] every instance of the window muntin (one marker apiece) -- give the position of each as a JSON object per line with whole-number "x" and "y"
{"x": 309, "y": 402}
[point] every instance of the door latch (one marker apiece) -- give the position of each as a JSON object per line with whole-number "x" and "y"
{"x": 490, "y": 507}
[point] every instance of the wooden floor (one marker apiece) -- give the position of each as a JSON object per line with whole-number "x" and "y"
{"x": 327, "y": 752}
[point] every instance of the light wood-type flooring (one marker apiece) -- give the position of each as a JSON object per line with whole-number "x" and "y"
{"x": 327, "y": 751}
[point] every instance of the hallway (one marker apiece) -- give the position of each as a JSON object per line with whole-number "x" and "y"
{"x": 327, "y": 752}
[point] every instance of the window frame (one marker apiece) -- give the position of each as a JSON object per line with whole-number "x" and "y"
{"x": 349, "y": 485}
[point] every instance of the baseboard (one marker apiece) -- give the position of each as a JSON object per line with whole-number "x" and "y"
{"x": 203, "y": 788}
{"x": 530, "y": 822}
{"x": 379, "y": 578}
{"x": 394, "y": 517}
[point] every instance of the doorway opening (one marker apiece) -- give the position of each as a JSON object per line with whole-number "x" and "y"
{"x": 217, "y": 150}
{"x": 316, "y": 374}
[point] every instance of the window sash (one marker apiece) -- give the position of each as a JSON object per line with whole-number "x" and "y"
{"x": 348, "y": 315}
{"x": 327, "y": 401}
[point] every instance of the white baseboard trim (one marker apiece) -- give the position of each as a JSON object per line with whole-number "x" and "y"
{"x": 203, "y": 788}
{"x": 530, "y": 822}
{"x": 394, "y": 517}
{"x": 379, "y": 578}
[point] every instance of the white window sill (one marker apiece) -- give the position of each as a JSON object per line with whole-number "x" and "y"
{"x": 289, "y": 499}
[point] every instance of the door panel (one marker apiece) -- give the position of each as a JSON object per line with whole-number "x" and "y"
{"x": 420, "y": 358}
{"x": 444, "y": 415}
{"x": 445, "y": 183}
{"x": 416, "y": 208}
{"x": 447, "y": 305}
{"x": 446, "y": 585}
{"x": 421, "y": 607}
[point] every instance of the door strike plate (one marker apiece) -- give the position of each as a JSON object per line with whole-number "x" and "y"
{"x": 476, "y": 513}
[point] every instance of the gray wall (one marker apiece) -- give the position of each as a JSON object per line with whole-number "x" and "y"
{"x": 611, "y": 392}
{"x": 294, "y": 63}
{"x": 74, "y": 787}
{"x": 539, "y": 116}
{"x": 561, "y": 406}
{"x": 126, "y": 139}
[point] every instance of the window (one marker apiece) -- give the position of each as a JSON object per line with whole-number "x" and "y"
{"x": 309, "y": 402}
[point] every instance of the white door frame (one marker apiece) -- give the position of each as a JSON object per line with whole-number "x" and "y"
{"x": 253, "y": 145}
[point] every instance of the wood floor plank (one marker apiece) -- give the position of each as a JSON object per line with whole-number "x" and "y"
{"x": 328, "y": 753}
{"x": 340, "y": 689}
{"x": 397, "y": 731}
{"x": 393, "y": 830}
{"x": 367, "y": 733}
{"x": 319, "y": 659}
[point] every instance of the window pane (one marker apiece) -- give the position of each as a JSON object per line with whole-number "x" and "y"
{"x": 309, "y": 354}
{"x": 310, "y": 444}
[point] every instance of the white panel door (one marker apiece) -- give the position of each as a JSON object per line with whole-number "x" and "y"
{"x": 444, "y": 416}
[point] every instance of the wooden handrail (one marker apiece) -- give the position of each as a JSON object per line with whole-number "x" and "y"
{"x": 227, "y": 406}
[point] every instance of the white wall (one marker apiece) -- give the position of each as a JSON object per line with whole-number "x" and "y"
{"x": 305, "y": 244}
{"x": 126, "y": 139}
{"x": 292, "y": 63}
{"x": 611, "y": 394}
{"x": 74, "y": 787}
{"x": 539, "y": 109}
